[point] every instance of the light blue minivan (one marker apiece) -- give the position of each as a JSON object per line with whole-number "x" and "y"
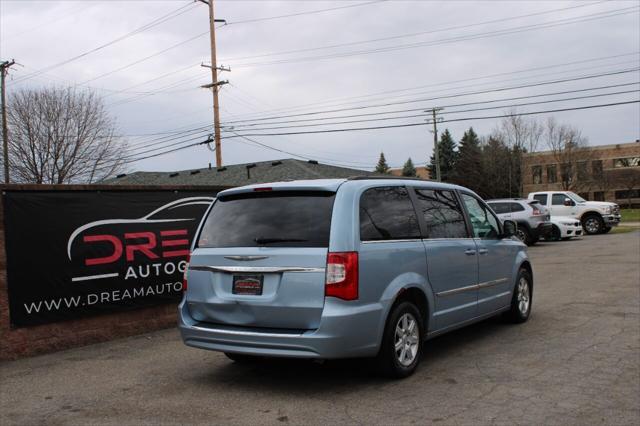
{"x": 342, "y": 268}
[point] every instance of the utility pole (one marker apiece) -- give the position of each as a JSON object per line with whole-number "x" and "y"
{"x": 215, "y": 84}
{"x": 436, "y": 147}
{"x": 4, "y": 66}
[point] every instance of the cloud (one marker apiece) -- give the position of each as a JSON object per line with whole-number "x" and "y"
{"x": 38, "y": 34}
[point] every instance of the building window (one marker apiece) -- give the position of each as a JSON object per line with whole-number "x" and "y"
{"x": 598, "y": 196}
{"x": 537, "y": 174}
{"x": 583, "y": 172}
{"x": 626, "y": 162}
{"x": 552, "y": 173}
{"x": 596, "y": 169}
{"x": 566, "y": 173}
{"x": 622, "y": 195}
{"x": 584, "y": 195}
{"x": 582, "y": 169}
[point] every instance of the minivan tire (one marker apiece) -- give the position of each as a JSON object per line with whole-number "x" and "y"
{"x": 388, "y": 361}
{"x": 522, "y": 299}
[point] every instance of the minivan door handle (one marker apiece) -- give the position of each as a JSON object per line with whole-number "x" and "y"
{"x": 483, "y": 251}
{"x": 470, "y": 252}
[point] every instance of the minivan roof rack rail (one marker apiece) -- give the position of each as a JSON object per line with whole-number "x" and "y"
{"x": 367, "y": 177}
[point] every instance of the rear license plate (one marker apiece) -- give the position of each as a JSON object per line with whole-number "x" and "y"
{"x": 247, "y": 284}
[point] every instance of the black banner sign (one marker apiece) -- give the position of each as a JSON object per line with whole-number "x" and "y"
{"x": 79, "y": 253}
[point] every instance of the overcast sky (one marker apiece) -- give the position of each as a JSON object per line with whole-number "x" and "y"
{"x": 430, "y": 49}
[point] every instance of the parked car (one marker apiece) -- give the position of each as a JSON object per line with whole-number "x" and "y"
{"x": 532, "y": 218}
{"x": 597, "y": 217}
{"x": 343, "y": 268}
{"x": 564, "y": 228}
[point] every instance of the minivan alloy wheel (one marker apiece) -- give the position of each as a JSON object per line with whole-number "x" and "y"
{"x": 406, "y": 339}
{"x": 523, "y": 295}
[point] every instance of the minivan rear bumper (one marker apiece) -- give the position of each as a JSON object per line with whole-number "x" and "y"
{"x": 345, "y": 331}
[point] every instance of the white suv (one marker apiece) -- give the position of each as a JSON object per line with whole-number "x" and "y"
{"x": 597, "y": 217}
{"x": 532, "y": 218}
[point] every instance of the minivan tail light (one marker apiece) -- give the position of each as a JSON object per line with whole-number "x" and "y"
{"x": 342, "y": 275}
{"x": 184, "y": 275}
{"x": 536, "y": 211}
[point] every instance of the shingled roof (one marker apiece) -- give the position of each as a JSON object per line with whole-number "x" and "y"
{"x": 240, "y": 174}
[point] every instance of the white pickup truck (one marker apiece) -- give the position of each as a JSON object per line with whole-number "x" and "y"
{"x": 597, "y": 217}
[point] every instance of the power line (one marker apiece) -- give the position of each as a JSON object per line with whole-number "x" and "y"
{"x": 165, "y": 139}
{"x": 247, "y": 136}
{"x": 249, "y": 126}
{"x": 177, "y": 71}
{"x": 158, "y": 91}
{"x": 306, "y": 157}
{"x": 177, "y": 12}
{"x": 374, "y": 40}
{"x": 54, "y": 20}
{"x": 444, "y": 121}
{"x": 183, "y": 129}
{"x": 190, "y": 39}
{"x": 333, "y": 103}
{"x": 133, "y": 155}
{"x": 167, "y": 152}
{"x": 501, "y": 89}
{"x": 310, "y": 12}
{"x": 448, "y": 112}
{"x": 324, "y": 159}
{"x": 513, "y": 30}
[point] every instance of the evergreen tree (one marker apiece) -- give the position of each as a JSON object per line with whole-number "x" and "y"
{"x": 409, "y": 169}
{"x": 468, "y": 169}
{"x": 382, "y": 167}
{"x": 448, "y": 157}
{"x": 498, "y": 179}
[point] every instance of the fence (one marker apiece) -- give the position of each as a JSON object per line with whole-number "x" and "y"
{"x": 82, "y": 264}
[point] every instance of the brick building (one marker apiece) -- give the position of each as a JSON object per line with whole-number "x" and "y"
{"x": 598, "y": 173}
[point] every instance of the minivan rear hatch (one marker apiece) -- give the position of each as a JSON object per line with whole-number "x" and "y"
{"x": 260, "y": 260}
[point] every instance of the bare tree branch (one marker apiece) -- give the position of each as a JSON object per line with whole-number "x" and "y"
{"x": 571, "y": 152}
{"x": 62, "y": 136}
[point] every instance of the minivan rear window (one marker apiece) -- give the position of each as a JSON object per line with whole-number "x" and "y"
{"x": 269, "y": 219}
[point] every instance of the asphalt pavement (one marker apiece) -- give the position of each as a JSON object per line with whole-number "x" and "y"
{"x": 576, "y": 362}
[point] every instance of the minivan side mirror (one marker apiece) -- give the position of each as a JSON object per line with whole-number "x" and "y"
{"x": 509, "y": 228}
{"x": 569, "y": 202}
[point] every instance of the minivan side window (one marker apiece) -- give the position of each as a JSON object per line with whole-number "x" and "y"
{"x": 484, "y": 223}
{"x": 387, "y": 213}
{"x": 442, "y": 214}
{"x": 542, "y": 198}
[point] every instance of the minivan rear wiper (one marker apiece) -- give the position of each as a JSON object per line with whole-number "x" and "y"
{"x": 262, "y": 240}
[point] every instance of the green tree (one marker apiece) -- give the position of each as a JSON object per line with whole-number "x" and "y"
{"x": 468, "y": 170}
{"x": 382, "y": 167}
{"x": 448, "y": 156}
{"x": 497, "y": 165}
{"x": 409, "y": 170}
